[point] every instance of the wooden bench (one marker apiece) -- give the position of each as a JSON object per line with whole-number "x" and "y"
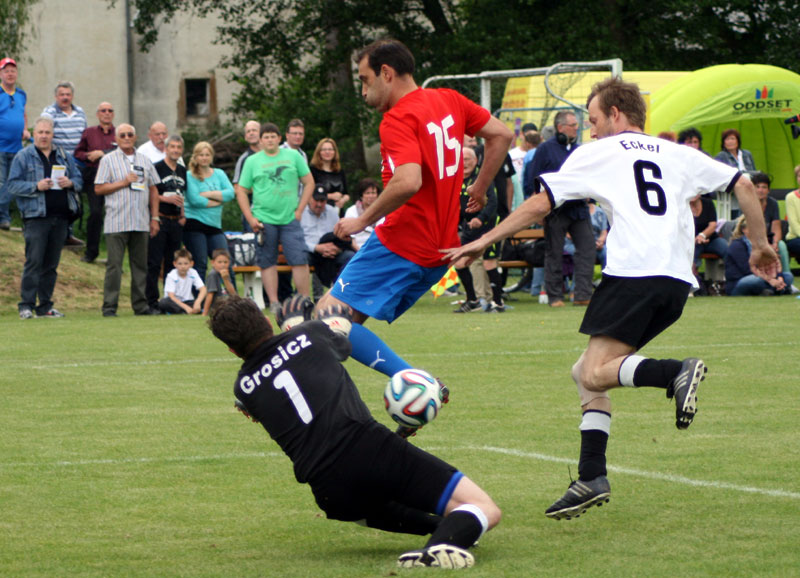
{"x": 521, "y": 237}
{"x": 252, "y": 286}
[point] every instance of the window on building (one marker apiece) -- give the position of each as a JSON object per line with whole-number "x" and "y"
{"x": 198, "y": 100}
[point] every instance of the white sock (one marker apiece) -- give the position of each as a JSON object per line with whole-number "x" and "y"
{"x": 598, "y": 420}
{"x": 627, "y": 368}
{"x": 478, "y": 513}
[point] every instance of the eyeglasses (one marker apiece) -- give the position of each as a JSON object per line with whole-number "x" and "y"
{"x": 105, "y": 110}
{"x": 126, "y": 134}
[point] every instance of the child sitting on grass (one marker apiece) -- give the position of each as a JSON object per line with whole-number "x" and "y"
{"x": 218, "y": 283}
{"x": 179, "y": 287}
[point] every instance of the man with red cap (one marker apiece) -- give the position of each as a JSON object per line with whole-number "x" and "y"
{"x": 13, "y": 121}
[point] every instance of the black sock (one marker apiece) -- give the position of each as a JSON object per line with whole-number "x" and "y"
{"x": 656, "y": 372}
{"x": 497, "y": 286}
{"x": 398, "y": 518}
{"x": 459, "y": 528}
{"x": 593, "y": 454}
{"x": 465, "y": 277}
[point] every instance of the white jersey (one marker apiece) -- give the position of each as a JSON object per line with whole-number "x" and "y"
{"x": 644, "y": 185}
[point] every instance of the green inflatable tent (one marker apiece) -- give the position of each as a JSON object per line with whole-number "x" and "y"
{"x": 752, "y": 98}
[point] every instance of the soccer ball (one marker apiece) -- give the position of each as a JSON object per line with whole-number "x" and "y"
{"x": 413, "y": 397}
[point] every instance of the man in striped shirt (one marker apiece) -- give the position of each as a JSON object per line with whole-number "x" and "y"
{"x": 69, "y": 122}
{"x": 128, "y": 181}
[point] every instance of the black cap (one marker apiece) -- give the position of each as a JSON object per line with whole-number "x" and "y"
{"x": 529, "y": 126}
{"x": 319, "y": 193}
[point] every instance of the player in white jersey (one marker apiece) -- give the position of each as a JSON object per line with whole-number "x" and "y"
{"x": 644, "y": 185}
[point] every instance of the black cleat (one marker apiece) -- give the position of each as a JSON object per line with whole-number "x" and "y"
{"x": 684, "y": 389}
{"x": 438, "y": 556}
{"x": 580, "y": 496}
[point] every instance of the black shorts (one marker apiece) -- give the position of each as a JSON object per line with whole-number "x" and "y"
{"x": 634, "y": 309}
{"x": 469, "y": 235}
{"x": 379, "y": 468}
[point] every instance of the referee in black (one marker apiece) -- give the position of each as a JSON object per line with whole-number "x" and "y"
{"x": 359, "y": 471}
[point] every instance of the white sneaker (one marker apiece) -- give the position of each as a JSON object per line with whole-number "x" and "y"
{"x": 25, "y": 313}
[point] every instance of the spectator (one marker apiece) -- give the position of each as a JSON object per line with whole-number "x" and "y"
{"x": 739, "y": 277}
{"x": 793, "y": 216}
{"x": 295, "y": 135}
{"x": 691, "y": 137}
{"x": 668, "y": 135}
{"x": 251, "y": 137}
{"x": 69, "y": 120}
{"x": 180, "y": 286}
{"x": 127, "y": 180}
{"x": 473, "y": 225}
{"x": 207, "y": 189}
{"x": 171, "y": 195}
{"x": 328, "y": 174}
{"x": 251, "y": 129}
{"x": 366, "y": 194}
{"x": 772, "y": 217}
{"x": 271, "y": 174}
{"x": 47, "y": 202}
{"x": 13, "y": 123}
{"x": 599, "y": 230}
{"x": 706, "y": 239}
{"x": 155, "y": 148}
{"x": 327, "y": 252}
{"x": 96, "y": 141}
{"x": 571, "y": 217}
{"x": 734, "y": 155}
{"x": 218, "y": 281}
{"x": 532, "y": 141}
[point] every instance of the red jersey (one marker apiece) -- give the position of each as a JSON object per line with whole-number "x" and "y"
{"x": 427, "y": 127}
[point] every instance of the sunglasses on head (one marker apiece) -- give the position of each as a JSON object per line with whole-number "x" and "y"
{"x": 127, "y": 134}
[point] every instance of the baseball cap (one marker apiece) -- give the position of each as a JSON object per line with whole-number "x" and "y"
{"x": 528, "y": 126}
{"x": 319, "y": 194}
{"x": 6, "y": 61}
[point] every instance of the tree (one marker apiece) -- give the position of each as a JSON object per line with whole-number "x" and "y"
{"x": 14, "y": 16}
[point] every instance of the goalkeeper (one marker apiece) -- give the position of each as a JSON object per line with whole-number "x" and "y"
{"x": 359, "y": 471}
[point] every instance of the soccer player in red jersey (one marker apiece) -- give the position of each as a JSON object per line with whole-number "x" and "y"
{"x": 421, "y": 135}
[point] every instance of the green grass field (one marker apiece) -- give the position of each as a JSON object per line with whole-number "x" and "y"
{"x": 122, "y": 455}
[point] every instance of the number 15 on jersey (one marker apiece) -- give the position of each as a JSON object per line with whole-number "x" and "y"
{"x": 445, "y": 141}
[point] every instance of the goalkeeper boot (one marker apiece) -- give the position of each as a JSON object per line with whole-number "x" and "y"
{"x": 684, "y": 389}
{"x": 438, "y": 556}
{"x": 580, "y": 496}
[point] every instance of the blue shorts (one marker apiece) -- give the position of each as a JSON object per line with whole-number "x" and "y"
{"x": 292, "y": 239}
{"x": 382, "y": 284}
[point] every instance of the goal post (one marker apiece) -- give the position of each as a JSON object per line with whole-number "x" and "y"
{"x": 532, "y": 94}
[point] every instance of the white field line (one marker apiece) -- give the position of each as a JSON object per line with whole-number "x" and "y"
{"x": 645, "y": 474}
{"x": 719, "y": 485}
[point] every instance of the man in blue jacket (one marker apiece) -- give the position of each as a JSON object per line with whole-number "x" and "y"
{"x": 572, "y": 217}
{"x": 46, "y": 183}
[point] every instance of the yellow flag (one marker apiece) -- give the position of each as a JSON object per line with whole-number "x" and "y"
{"x": 450, "y": 278}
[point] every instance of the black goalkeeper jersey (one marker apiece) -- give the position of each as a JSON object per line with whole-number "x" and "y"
{"x": 296, "y": 387}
